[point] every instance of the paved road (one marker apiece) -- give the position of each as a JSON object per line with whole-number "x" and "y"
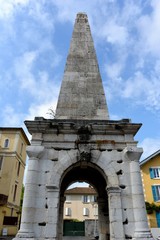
{"x": 64, "y": 238}
{"x": 77, "y": 238}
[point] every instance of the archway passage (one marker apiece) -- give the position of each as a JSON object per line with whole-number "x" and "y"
{"x": 92, "y": 174}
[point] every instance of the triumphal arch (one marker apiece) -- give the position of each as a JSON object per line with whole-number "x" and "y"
{"x": 82, "y": 144}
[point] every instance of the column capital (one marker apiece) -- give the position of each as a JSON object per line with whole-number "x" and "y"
{"x": 132, "y": 153}
{"x": 35, "y": 151}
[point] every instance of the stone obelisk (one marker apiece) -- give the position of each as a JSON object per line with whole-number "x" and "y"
{"x": 82, "y": 94}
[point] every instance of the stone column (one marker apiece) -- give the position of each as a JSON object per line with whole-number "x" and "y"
{"x": 115, "y": 214}
{"x": 103, "y": 218}
{"x": 51, "y": 229}
{"x": 60, "y": 222}
{"x": 29, "y": 202}
{"x": 140, "y": 216}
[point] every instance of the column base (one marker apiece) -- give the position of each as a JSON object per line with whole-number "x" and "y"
{"x": 25, "y": 234}
{"x": 143, "y": 235}
{"x": 143, "y": 238}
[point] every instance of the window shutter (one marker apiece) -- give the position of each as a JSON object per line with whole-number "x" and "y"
{"x": 68, "y": 212}
{"x": 151, "y": 173}
{"x": 96, "y": 211}
{"x": 154, "y": 193}
{"x": 1, "y": 161}
{"x": 85, "y": 211}
{"x": 158, "y": 219}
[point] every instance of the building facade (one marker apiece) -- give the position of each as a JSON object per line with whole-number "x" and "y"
{"x": 13, "y": 142}
{"x": 80, "y": 204}
{"x": 150, "y": 172}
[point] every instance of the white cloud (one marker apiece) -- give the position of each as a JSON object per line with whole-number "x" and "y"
{"x": 7, "y": 7}
{"x": 136, "y": 86}
{"x": 149, "y": 30}
{"x": 41, "y": 110}
{"x": 32, "y": 80}
{"x": 115, "y": 117}
{"x": 144, "y": 91}
{"x": 10, "y": 117}
{"x": 67, "y": 11}
{"x": 150, "y": 145}
{"x": 23, "y": 70}
{"x": 114, "y": 70}
{"x": 43, "y": 17}
{"x": 114, "y": 33}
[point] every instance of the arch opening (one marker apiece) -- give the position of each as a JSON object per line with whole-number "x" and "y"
{"x": 95, "y": 211}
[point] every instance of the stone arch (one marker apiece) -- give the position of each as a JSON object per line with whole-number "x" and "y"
{"x": 81, "y": 167}
{"x": 100, "y": 160}
{"x": 94, "y": 175}
{"x": 107, "y": 160}
{"x": 65, "y": 160}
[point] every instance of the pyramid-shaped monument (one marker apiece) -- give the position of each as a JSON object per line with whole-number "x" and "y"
{"x": 82, "y": 144}
{"x": 82, "y": 94}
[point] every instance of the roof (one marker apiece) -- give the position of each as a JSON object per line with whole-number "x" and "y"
{"x": 80, "y": 190}
{"x": 150, "y": 157}
{"x": 16, "y": 129}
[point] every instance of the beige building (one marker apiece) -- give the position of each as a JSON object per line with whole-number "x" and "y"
{"x": 13, "y": 142}
{"x": 80, "y": 204}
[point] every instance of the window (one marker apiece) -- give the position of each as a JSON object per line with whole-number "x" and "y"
{"x": 93, "y": 198}
{"x": 68, "y": 199}
{"x": 85, "y": 199}
{"x": 21, "y": 149}
{"x": 18, "y": 169}
{"x": 85, "y": 211}
{"x": 15, "y": 191}
{"x": 6, "y": 143}
{"x": 154, "y": 172}
{"x": 68, "y": 211}
{"x": 10, "y": 220}
{"x": 156, "y": 192}
{"x": 89, "y": 198}
{"x": 1, "y": 161}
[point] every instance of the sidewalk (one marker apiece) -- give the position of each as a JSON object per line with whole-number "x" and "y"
{"x": 64, "y": 238}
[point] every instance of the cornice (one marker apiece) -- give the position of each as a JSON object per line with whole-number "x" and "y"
{"x": 59, "y": 126}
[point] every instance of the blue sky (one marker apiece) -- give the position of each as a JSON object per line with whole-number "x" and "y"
{"x": 34, "y": 42}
